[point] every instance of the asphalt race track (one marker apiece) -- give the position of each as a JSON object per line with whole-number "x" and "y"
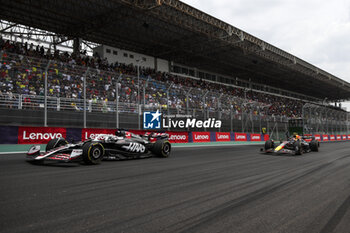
{"x": 208, "y": 189}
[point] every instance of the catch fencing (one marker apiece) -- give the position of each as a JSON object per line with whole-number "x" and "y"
{"x": 65, "y": 94}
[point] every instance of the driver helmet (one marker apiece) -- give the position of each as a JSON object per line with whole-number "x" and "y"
{"x": 120, "y": 133}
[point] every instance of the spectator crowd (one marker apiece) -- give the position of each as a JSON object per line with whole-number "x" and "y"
{"x": 23, "y": 66}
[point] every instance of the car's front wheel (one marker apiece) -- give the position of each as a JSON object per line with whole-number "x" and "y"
{"x": 93, "y": 153}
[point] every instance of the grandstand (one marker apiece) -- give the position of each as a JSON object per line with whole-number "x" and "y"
{"x": 215, "y": 69}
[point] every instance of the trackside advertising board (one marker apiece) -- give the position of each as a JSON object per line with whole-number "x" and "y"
{"x": 178, "y": 137}
{"x": 92, "y": 133}
{"x": 241, "y": 137}
{"x": 222, "y": 137}
{"x": 325, "y": 138}
{"x": 201, "y": 136}
{"x": 317, "y": 137}
{"x": 39, "y": 135}
{"x": 255, "y": 137}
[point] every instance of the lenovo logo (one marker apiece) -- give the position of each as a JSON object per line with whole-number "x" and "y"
{"x": 178, "y": 137}
{"x": 240, "y": 137}
{"x": 201, "y": 137}
{"x": 41, "y": 136}
{"x": 223, "y": 136}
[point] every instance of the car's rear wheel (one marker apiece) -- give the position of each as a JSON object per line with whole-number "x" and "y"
{"x": 54, "y": 143}
{"x": 162, "y": 148}
{"x": 93, "y": 153}
{"x": 298, "y": 148}
{"x": 314, "y": 145}
{"x": 269, "y": 144}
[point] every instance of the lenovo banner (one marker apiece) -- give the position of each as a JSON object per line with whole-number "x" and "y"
{"x": 332, "y": 137}
{"x": 317, "y": 137}
{"x": 348, "y": 137}
{"x": 201, "y": 136}
{"x": 266, "y": 137}
{"x": 178, "y": 137}
{"x": 255, "y": 137}
{"x": 325, "y": 137}
{"x": 338, "y": 137}
{"x": 344, "y": 137}
{"x": 223, "y": 137}
{"x": 39, "y": 135}
{"x": 240, "y": 137}
{"x": 92, "y": 133}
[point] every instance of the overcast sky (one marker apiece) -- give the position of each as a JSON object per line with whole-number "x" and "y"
{"x": 317, "y": 31}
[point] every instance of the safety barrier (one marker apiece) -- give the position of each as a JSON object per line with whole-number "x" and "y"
{"x": 41, "y": 135}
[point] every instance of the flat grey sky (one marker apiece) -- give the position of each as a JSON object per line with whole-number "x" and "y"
{"x": 317, "y": 31}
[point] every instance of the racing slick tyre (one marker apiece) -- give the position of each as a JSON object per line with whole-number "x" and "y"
{"x": 314, "y": 145}
{"x": 298, "y": 148}
{"x": 269, "y": 144}
{"x": 162, "y": 148}
{"x": 54, "y": 143}
{"x": 93, "y": 153}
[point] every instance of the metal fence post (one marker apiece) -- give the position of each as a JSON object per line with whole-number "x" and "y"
{"x": 85, "y": 75}
{"x": 138, "y": 96}
{"x": 167, "y": 98}
{"x": 117, "y": 101}
{"x": 20, "y": 101}
{"x": 45, "y": 93}
{"x": 187, "y": 95}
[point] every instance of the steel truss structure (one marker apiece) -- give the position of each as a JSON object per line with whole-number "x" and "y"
{"x": 175, "y": 31}
{"x": 22, "y": 33}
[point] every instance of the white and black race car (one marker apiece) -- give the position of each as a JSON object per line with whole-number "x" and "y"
{"x": 122, "y": 145}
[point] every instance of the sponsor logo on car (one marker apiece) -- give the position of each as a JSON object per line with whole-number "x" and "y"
{"x": 135, "y": 147}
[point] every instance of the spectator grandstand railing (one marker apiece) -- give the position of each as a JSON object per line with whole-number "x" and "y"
{"x": 117, "y": 98}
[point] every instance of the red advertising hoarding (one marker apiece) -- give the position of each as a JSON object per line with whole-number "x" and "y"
{"x": 39, "y": 135}
{"x": 325, "y": 137}
{"x": 338, "y": 137}
{"x": 178, "y": 137}
{"x": 344, "y": 137}
{"x": 223, "y": 137}
{"x": 240, "y": 137}
{"x": 331, "y": 137}
{"x": 92, "y": 133}
{"x": 318, "y": 137}
{"x": 266, "y": 137}
{"x": 255, "y": 137}
{"x": 201, "y": 136}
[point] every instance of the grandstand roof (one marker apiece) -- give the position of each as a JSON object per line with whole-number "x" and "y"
{"x": 175, "y": 31}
